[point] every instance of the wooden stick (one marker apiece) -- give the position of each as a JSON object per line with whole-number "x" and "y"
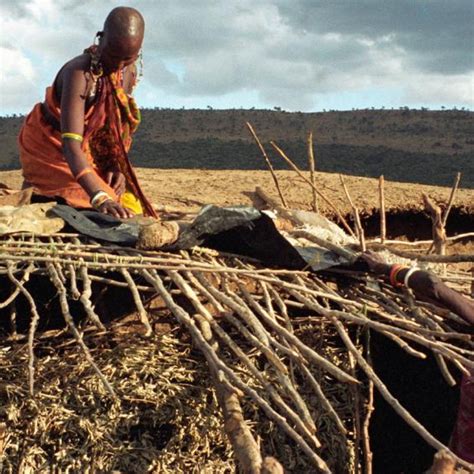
{"x": 246, "y": 449}
{"x": 120, "y": 284}
{"x": 439, "y": 233}
{"x": 355, "y": 212}
{"x": 451, "y": 198}
{"x": 32, "y": 329}
{"x": 459, "y": 258}
{"x": 311, "y": 170}
{"x": 212, "y": 358}
{"x": 268, "y": 162}
{"x": 307, "y": 426}
{"x": 17, "y": 289}
{"x": 467, "y": 235}
{"x": 357, "y": 412}
{"x": 85, "y": 298}
{"x": 142, "y": 314}
{"x": 368, "y": 455}
{"x": 326, "y": 404}
{"x": 301, "y": 175}
{"x": 75, "y": 293}
{"x": 435, "y": 346}
{"x": 72, "y": 327}
{"x": 403, "y": 345}
{"x": 307, "y": 352}
{"x": 383, "y": 225}
{"x": 389, "y": 398}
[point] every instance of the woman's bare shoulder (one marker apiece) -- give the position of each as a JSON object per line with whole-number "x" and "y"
{"x": 72, "y": 72}
{"x": 80, "y": 63}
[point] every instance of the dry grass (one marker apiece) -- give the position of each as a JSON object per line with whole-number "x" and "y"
{"x": 166, "y": 417}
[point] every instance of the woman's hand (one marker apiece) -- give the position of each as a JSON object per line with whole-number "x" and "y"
{"x": 116, "y": 180}
{"x": 114, "y": 209}
{"x": 374, "y": 263}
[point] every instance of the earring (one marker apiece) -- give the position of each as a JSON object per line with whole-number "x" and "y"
{"x": 97, "y": 38}
{"x": 140, "y": 64}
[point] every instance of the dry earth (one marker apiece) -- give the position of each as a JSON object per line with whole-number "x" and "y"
{"x": 192, "y": 189}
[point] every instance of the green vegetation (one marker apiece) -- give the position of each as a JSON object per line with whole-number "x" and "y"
{"x": 418, "y": 146}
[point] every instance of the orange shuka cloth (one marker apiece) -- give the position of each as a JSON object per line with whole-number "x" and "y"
{"x": 42, "y": 159}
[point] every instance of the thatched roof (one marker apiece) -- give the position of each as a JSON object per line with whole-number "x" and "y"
{"x": 283, "y": 353}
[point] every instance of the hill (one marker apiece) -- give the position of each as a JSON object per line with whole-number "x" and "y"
{"x": 418, "y": 146}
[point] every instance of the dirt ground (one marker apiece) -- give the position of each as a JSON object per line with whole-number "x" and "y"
{"x": 191, "y": 189}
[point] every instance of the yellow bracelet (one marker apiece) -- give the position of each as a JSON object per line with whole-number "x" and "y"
{"x": 72, "y": 136}
{"x": 82, "y": 173}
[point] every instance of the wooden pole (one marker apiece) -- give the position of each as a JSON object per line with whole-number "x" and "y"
{"x": 438, "y": 231}
{"x": 451, "y": 198}
{"x": 301, "y": 175}
{"x": 312, "y": 168}
{"x": 383, "y": 225}
{"x": 355, "y": 212}
{"x": 267, "y": 160}
{"x": 368, "y": 455}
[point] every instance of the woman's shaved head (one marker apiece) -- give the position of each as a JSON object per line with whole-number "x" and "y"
{"x": 124, "y": 22}
{"x": 122, "y": 38}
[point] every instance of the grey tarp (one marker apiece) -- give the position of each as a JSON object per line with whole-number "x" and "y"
{"x": 237, "y": 230}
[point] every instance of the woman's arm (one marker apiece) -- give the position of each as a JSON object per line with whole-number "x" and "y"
{"x": 425, "y": 285}
{"x": 73, "y": 102}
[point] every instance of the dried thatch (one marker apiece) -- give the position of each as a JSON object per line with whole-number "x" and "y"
{"x": 277, "y": 359}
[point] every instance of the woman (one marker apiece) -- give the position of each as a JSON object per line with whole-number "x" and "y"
{"x": 74, "y": 145}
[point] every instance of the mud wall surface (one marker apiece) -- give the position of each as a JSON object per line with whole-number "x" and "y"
{"x": 415, "y": 224}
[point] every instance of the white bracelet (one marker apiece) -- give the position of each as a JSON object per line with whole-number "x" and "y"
{"x": 408, "y": 274}
{"x": 97, "y": 196}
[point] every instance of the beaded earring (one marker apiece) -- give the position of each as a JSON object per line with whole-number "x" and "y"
{"x": 96, "y": 69}
{"x": 140, "y": 66}
{"x": 97, "y": 38}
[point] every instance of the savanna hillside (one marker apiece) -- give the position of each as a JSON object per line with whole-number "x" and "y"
{"x": 405, "y": 145}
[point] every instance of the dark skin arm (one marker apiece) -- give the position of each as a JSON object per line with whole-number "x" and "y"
{"x": 426, "y": 286}
{"x": 71, "y": 87}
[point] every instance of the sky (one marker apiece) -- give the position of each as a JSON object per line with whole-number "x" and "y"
{"x": 299, "y": 55}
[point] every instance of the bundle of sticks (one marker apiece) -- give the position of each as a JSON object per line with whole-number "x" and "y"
{"x": 245, "y": 320}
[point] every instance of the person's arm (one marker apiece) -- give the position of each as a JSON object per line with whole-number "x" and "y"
{"x": 427, "y": 284}
{"x": 424, "y": 284}
{"x": 73, "y": 102}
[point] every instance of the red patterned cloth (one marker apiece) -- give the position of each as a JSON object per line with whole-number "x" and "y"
{"x": 462, "y": 439}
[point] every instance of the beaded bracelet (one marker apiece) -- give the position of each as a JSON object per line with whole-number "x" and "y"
{"x": 73, "y": 136}
{"x": 393, "y": 275}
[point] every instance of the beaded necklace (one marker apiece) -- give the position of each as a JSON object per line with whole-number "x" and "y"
{"x": 96, "y": 70}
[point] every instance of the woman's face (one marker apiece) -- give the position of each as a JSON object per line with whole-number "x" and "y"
{"x": 117, "y": 53}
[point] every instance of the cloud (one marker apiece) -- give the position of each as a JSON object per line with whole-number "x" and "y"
{"x": 17, "y": 85}
{"x": 437, "y": 35}
{"x": 291, "y": 53}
